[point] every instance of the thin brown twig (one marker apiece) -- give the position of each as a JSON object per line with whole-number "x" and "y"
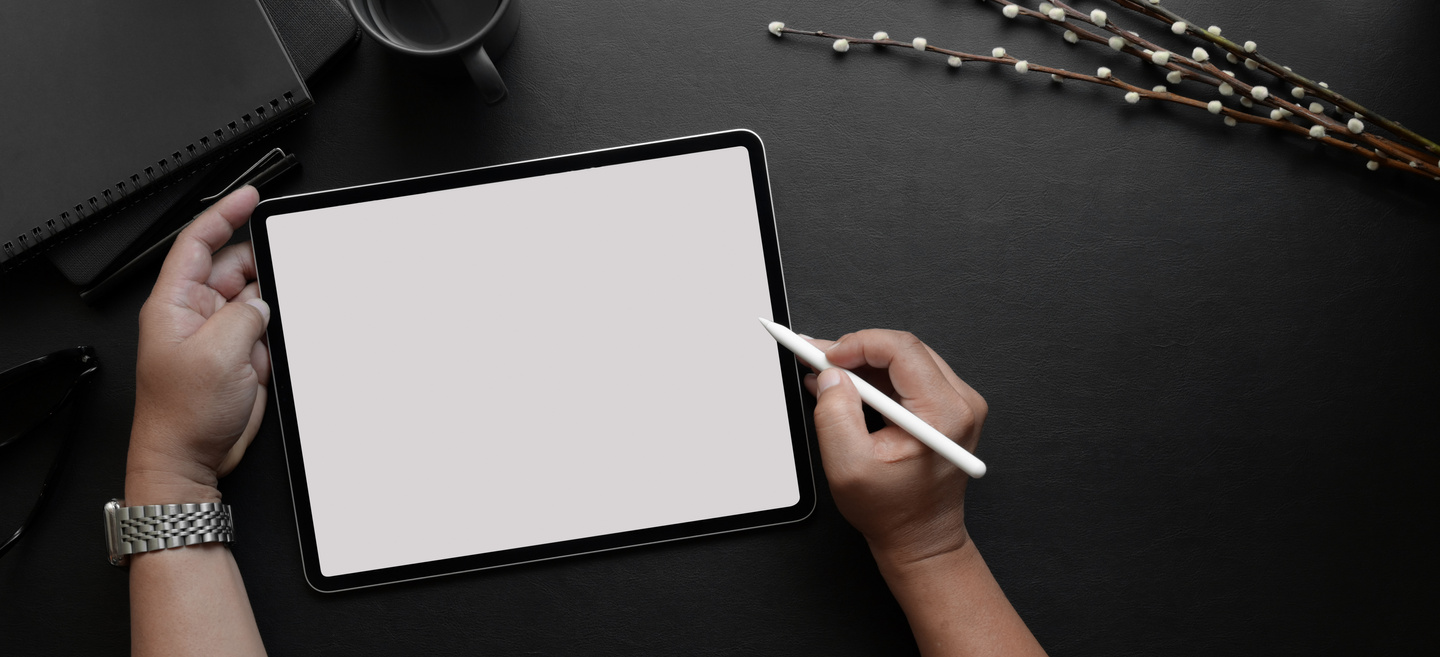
{"x": 1164, "y": 15}
{"x": 1409, "y": 157}
{"x": 1112, "y": 81}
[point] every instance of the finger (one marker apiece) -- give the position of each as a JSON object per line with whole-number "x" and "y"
{"x": 912, "y": 370}
{"x": 973, "y": 398}
{"x": 839, "y": 420}
{"x": 189, "y": 258}
{"x": 822, "y": 345}
{"x": 260, "y": 360}
{"x": 250, "y": 291}
{"x": 811, "y": 385}
{"x": 232, "y": 268}
{"x": 235, "y": 328}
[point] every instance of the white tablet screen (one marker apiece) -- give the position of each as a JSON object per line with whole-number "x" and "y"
{"x": 532, "y": 361}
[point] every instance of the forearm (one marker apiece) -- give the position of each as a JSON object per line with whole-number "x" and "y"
{"x": 187, "y": 600}
{"x": 955, "y": 606}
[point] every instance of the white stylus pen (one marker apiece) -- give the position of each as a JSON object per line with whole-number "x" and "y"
{"x": 878, "y": 401}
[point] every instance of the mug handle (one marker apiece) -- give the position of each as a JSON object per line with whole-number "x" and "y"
{"x": 483, "y": 72}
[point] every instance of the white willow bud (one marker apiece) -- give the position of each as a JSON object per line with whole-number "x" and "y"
{"x": 1277, "y": 115}
{"x": 1252, "y": 64}
{"x": 1322, "y": 84}
{"x": 1159, "y": 89}
{"x": 1132, "y": 98}
{"x": 1317, "y": 131}
{"x": 1056, "y": 77}
{"x": 1045, "y": 7}
{"x": 1250, "y": 46}
{"x": 1230, "y": 57}
{"x": 881, "y": 36}
{"x": 1022, "y": 66}
{"x": 1011, "y": 11}
{"x": 1356, "y": 126}
{"x": 919, "y": 44}
{"x": 1103, "y": 73}
{"x": 1056, "y": 14}
{"x": 954, "y": 61}
{"x": 1259, "y": 92}
{"x": 1298, "y": 92}
{"x": 1117, "y": 43}
{"x": 1317, "y": 108}
{"x": 998, "y": 52}
{"x": 1099, "y": 17}
{"x": 1071, "y": 37}
{"x": 1213, "y": 29}
{"x": 1214, "y": 107}
{"x": 1247, "y": 102}
{"x": 1230, "y": 121}
{"x": 1162, "y": 58}
{"x": 1226, "y": 89}
{"x": 1200, "y": 54}
{"x": 1174, "y": 77}
{"x": 840, "y": 45}
{"x": 776, "y": 27}
{"x": 1178, "y": 27}
{"x": 1372, "y": 165}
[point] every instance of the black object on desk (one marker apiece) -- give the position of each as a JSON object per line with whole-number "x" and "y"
{"x": 118, "y": 100}
{"x": 156, "y": 241}
{"x": 315, "y": 33}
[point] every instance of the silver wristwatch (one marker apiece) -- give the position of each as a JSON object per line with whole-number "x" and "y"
{"x": 134, "y": 529}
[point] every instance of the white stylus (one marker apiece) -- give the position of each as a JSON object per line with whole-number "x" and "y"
{"x": 878, "y": 401}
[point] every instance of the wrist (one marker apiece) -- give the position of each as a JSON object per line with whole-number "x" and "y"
{"x": 157, "y": 487}
{"x": 154, "y": 477}
{"x": 908, "y": 561}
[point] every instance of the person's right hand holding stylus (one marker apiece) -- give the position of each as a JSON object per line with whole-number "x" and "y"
{"x": 906, "y": 499}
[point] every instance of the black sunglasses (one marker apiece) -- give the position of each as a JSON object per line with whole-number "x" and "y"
{"x": 32, "y": 393}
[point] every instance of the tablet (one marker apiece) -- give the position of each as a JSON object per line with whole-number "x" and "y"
{"x": 534, "y": 360}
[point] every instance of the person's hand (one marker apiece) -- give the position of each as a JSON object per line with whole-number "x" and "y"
{"x": 203, "y": 366}
{"x": 907, "y": 500}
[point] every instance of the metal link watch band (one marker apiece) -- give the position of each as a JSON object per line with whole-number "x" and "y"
{"x": 135, "y": 529}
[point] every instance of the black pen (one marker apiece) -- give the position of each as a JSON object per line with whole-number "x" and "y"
{"x": 269, "y": 167}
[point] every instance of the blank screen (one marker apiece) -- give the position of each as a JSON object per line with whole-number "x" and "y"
{"x": 532, "y": 361}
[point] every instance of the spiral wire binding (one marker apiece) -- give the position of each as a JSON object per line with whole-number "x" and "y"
{"x": 148, "y": 178}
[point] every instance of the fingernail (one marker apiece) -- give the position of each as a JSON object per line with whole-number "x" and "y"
{"x": 828, "y": 378}
{"x": 804, "y": 336}
{"x": 261, "y": 306}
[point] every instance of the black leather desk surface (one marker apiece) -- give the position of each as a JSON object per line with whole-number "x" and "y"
{"x": 1210, "y": 353}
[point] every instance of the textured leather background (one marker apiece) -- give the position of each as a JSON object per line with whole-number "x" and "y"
{"x": 1210, "y": 353}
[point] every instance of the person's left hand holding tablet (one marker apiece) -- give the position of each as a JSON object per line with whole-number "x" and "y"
{"x": 203, "y": 366}
{"x": 200, "y": 390}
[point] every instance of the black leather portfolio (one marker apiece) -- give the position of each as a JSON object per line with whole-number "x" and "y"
{"x": 107, "y": 103}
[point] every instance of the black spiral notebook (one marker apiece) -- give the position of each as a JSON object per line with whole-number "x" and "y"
{"x": 105, "y": 103}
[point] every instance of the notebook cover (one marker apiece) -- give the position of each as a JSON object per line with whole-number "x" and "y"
{"x": 315, "y": 33}
{"x": 106, "y": 102}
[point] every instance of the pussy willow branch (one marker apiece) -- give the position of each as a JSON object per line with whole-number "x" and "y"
{"x": 1112, "y": 81}
{"x": 1072, "y": 19}
{"x": 1164, "y": 15}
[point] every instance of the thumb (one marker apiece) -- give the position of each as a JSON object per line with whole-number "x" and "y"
{"x": 236, "y": 327}
{"x": 839, "y": 418}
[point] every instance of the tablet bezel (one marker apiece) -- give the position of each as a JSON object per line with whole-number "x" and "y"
{"x": 284, "y": 400}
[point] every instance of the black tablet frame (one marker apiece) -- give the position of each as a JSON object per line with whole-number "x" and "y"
{"x": 294, "y": 457}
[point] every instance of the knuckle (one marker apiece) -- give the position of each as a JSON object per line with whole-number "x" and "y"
{"x": 981, "y": 408}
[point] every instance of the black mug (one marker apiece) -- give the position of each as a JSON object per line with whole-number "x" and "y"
{"x": 475, "y": 31}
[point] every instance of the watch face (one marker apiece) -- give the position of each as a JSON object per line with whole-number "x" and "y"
{"x": 112, "y": 532}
